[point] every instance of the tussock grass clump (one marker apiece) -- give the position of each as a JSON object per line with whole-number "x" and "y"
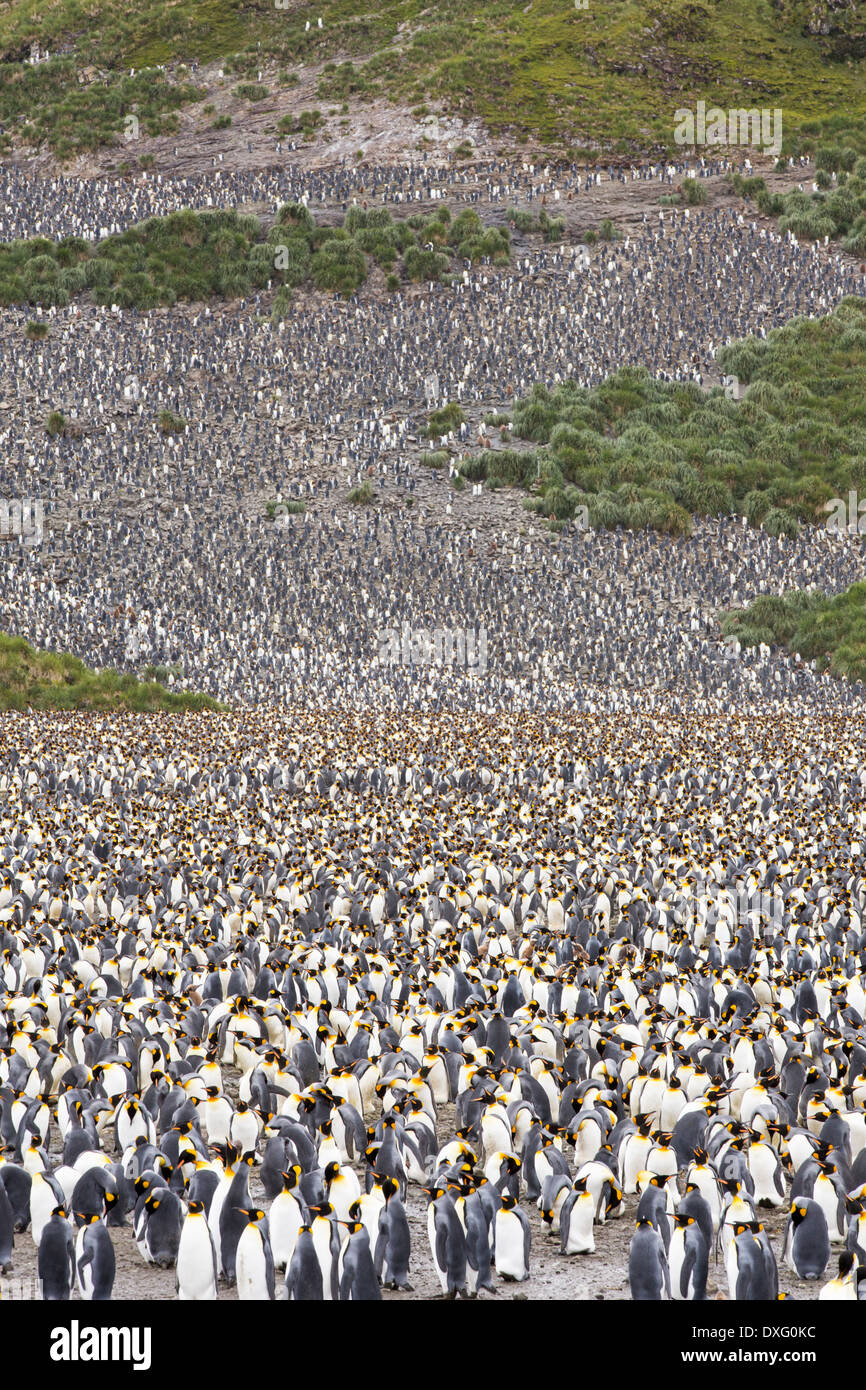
{"x": 56, "y": 680}
{"x": 827, "y": 629}
{"x": 641, "y": 452}
{"x": 224, "y": 254}
{"x": 442, "y": 421}
{"x": 362, "y": 496}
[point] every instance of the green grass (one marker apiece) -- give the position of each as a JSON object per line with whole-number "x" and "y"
{"x": 640, "y": 452}
{"x": 292, "y": 506}
{"x": 828, "y": 630}
{"x": 222, "y": 253}
{"x": 362, "y": 496}
{"x": 609, "y": 77}
{"x": 442, "y": 421}
{"x": 56, "y": 680}
{"x": 170, "y": 423}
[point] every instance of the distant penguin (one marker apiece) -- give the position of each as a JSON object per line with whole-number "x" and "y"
{"x": 196, "y": 1267}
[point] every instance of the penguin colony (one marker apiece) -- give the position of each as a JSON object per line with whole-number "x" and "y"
{"x": 321, "y": 1006}
{"x": 372, "y": 998}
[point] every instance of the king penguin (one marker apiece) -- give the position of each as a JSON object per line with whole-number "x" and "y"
{"x": 94, "y": 1259}
{"x": 56, "y": 1260}
{"x": 357, "y": 1274}
{"x": 196, "y": 1269}
{"x": 254, "y": 1265}
{"x": 807, "y": 1240}
{"x": 688, "y": 1260}
{"x": 648, "y": 1272}
{"x": 511, "y": 1241}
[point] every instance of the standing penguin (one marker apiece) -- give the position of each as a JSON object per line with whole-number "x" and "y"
{"x": 478, "y": 1267}
{"x": 56, "y": 1260}
{"x": 232, "y": 1218}
{"x": 393, "y": 1241}
{"x": 255, "y": 1262}
{"x": 807, "y": 1240}
{"x": 94, "y": 1259}
{"x": 162, "y": 1227}
{"x": 357, "y": 1274}
{"x": 7, "y": 1230}
{"x": 575, "y": 1220}
{"x": 688, "y": 1260}
{"x": 196, "y": 1268}
{"x": 648, "y": 1271}
{"x": 511, "y": 1241}
{"x": 46, "y": 1195}
{"x": 326, "y": 1243}
{"x": 288, "y": 1216}
{"x": 750, "y": 1274}
{"x": 447, "y": 1242}
{"x": 304, "y": 1281}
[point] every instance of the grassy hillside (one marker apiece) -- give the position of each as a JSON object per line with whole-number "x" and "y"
{"x": 609, "y": 75}
{"x": 639, "y": 452}
{"x": 828, "y": 630}
{"x": 56, "y": 680}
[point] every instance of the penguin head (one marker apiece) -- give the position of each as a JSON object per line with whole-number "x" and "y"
{"x": 196, "y": 1208}
{"x": 292, "y": 1177}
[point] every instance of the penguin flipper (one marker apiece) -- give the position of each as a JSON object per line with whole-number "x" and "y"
{"x": 380, "y": 1248}
{"x": 686, "y": 1273}
{"x": 441, "y": 1247}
